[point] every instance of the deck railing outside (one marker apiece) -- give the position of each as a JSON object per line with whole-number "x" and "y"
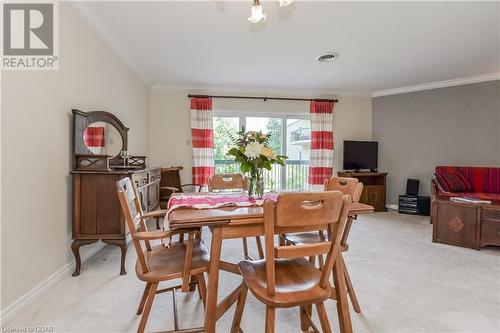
{"x": 293, "y": 176}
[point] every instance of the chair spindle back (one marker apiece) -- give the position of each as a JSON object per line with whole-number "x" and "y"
{"x": 132, "y": 210}
{"x": 351, "y": 186}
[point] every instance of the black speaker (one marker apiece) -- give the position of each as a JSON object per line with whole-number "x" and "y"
{"x": 424, "y": 206}
{"x": 412, "y": 186}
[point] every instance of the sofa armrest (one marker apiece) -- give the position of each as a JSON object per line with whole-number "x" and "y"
{"x": 434, "y": 189}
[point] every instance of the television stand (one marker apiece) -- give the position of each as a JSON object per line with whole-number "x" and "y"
{"x": 374, "y": 187}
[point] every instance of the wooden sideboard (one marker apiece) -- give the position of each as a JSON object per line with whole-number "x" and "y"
{"x": 374, "y": 188}
{"x": 96, "y": 209}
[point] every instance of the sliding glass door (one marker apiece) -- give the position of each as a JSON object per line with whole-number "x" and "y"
{"x": 298, "y": 143}
{"x": 289, "y": 135}
{"x": 225, "y": 133}
{"x": 273, "y": 179}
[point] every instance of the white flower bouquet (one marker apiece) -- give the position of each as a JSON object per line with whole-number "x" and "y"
{"x": 253, "y": 153}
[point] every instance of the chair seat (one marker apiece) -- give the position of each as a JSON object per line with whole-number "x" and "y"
{"x": 309, "y": 238}
{"x": 297, "y": 282}
{"x": 168, "y": 263}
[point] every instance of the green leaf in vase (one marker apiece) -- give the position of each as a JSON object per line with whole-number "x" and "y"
{"x": 246, "y": 166}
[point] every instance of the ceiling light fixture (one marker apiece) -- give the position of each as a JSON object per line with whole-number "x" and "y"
{"x": 284, "y": 3}
{"x": 257, "y": 14}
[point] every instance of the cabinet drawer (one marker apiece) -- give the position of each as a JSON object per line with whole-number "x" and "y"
{"x": 154, "y": 175}
{"x": 490, "y": 232}
{"x": 140, "y": 179}
{"x": 492, "y": 214}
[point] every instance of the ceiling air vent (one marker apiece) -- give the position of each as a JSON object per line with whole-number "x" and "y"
{"x": 329, "y": 57}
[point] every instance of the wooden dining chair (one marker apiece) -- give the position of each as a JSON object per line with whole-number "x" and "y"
{"x": 224, "y": 182}
{"x": 227, "y": 181}
{"x": 170, "y": 183}
{"x": 354, "y": 188}
{"x": 285, "y": 278}
{"x": 169, "y": 260}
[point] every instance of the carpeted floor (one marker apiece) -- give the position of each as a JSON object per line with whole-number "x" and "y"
{"x": 404, "y": 282}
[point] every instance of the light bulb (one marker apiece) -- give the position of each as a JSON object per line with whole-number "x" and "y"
{"x": 257, "y": 14}
{"x": 284, "y": 3}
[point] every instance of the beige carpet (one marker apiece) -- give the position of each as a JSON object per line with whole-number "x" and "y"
{"x": 404, "y": 282}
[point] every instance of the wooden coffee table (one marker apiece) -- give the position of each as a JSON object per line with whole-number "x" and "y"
{"x": 464, "y": 224}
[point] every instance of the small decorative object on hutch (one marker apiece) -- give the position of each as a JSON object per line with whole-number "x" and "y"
{"x": 101, "y": 158}
{"x": 253, "y": 153}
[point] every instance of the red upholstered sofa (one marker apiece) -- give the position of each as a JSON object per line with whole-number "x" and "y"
{"x": 481, "y": 182}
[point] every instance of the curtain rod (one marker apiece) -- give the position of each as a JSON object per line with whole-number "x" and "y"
{"x": 265, "y": 98}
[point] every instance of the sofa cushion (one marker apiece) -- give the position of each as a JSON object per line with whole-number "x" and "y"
{"x": 481, "y": 179}
{"x": 454, "y": 182}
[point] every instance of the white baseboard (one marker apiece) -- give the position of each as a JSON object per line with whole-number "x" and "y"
{"x": 392, "y": 206}
{"x": 18, "y": 306}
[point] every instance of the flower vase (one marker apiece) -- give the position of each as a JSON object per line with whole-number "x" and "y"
{"x": 256, "y": 185}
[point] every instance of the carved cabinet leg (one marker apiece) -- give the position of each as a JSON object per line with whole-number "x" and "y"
{"x": 122, "y": 244}
{"x": 75, "y": 247}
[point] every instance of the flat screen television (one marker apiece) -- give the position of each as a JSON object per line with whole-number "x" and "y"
{"x": 360, "y": 155}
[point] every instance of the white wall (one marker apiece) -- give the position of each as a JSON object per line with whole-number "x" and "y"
{"x": 171, "y": 129}
{"x": 36, "y": 136}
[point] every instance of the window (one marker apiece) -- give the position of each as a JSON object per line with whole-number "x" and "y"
{"x": 298, "y": 143}
{"x": 225, "y": 129}
{"x": 290, "y": 135}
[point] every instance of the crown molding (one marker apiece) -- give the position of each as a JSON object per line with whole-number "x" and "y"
{"x": 438, "y": 84}
{"x": 218, "y": 89}
{"x": 87, "y": 14}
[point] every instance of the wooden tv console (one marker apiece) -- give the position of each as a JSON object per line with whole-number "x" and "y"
{"x": 374, "y": 188}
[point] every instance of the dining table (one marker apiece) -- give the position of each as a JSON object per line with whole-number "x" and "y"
{"x": 236, "y": 222}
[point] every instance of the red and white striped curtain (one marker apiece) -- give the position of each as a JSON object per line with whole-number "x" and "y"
{"x": 94, "y": 139}
{"x": 321, "y": 156}
{"x": 202, "y": 138}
